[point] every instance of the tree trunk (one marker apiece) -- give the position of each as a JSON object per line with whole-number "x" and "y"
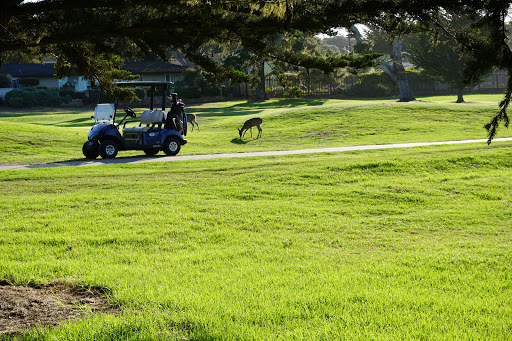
{"x": 460, "y": 95}
{"x": 309, "y": 81}
{"x": 261, "y": 94}
{"x": 396, "y": 70}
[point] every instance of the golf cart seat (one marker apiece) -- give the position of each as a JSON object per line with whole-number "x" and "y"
{"x": 104, "y": 113}
{"x": 148, "y": 120}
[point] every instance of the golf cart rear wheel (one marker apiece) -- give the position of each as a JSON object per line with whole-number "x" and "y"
{"x": 152, "y": 151}
{"x": 90, "y": 151}
{"x": 108, "y": 149}
{"x": 172, "y": 146}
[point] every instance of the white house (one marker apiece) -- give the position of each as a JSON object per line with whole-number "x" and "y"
{"x": 45, "y": 74}
{"x": 171, "y": 71}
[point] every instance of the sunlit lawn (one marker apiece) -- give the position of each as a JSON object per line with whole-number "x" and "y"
{"x": 410, "y": 244}
{"x": 33, "y": 136}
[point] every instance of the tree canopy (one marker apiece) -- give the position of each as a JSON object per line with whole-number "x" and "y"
{"x": 90, "y": 35}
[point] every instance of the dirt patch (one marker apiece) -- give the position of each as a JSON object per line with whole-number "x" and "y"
{"x": 25, "y": 307}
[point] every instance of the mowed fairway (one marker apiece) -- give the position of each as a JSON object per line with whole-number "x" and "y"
{"x": 34, "y": 136}
{"x": 394, "y": 244}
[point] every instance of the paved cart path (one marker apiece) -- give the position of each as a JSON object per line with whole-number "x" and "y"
{"x": 141, "y": 159}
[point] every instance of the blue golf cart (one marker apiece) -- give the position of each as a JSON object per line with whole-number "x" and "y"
{"x": 156, "y": 130}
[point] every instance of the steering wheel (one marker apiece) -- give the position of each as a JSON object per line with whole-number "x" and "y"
{"x": 129, "y": 112}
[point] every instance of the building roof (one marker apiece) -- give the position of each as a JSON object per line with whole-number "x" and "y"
{"x": 137, "y": 68}
{"x": 29, "y": 70}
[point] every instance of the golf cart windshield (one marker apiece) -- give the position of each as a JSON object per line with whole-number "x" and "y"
{"x": 104, "y": 113}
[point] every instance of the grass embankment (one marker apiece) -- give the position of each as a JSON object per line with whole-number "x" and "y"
{"x": 31, "y": 137}
{"x": 393, "y": 244}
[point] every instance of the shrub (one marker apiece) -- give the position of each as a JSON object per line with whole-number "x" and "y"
{"x": 158, "y": 92}
{"x": 140, "y": 93}
{"x": 210, "y": 91}
{"x": 374, "y": 84}
{"x": 5, "y": 81}
{"x": 226, "y": 91}
{"x": 47, "y": 98}
{"x": 28, "y": 97}
{"x": 66, "y": 98}
{"x": 20, "y": 98}
{"x": 66, "y": 91}
{"x": 294, "y": 92}
{"x": 368, "y": 91}
{"x": 91, "y": 96}
{"x": 29, "y": 81}
{"x": 188, "y": 92}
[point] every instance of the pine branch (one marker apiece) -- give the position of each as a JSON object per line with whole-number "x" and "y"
{"x": 492, "y": 127}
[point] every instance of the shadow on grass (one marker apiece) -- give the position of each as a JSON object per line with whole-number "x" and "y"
{"x": 238, "y": 141}
{"x": 254, "y": 107}
{"x": 280, "y": 103}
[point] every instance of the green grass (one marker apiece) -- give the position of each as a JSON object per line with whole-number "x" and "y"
{"x": 32, "y": 137}
{"x": 410, "y": 243}
{"x": 393, "y": 244}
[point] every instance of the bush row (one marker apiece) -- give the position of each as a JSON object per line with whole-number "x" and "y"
{"x": 198, "y": 92}
{"x": 28, "y": 97}
{"x": 41, "y": 96}
{"x": 380, "y": 84}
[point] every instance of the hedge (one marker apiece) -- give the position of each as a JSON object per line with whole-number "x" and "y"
{"x": 28, "y": 97}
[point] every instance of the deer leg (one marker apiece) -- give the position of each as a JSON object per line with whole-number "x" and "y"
{"x": 251, "y": 131}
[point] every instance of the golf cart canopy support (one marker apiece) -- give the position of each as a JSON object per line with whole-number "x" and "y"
{"x": 153, "y": 85}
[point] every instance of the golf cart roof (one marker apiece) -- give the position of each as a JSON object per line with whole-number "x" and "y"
{"x": 144, "y": 83}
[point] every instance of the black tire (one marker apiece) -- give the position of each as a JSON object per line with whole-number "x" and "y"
{"x": 152, "y": 151}
{"x": 88, "y": 153}
{"x": 108, "y": 149}
{"x": 172, "y": 146}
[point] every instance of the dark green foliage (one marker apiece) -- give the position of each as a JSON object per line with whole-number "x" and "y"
{"x": 47, "y": 98}
{"x": 66, "y": 98}
{"x": 188, "y": 92}
{"x": 28, "y": 97}
{"x": 140, "y": 93}
{"x": 68, "y": 91}
{"x": 20, "y": 98}
{"x": 198, "y": 83}
{"x": 158, "y": 92}
{"x": 380, "y": 84}
{"x": 92, "y": 96}
{"x": 373, "y": 85}
{"x": 5, "y": 81}
{"x": 367, "y": 91}
{"x": 210, "y": 91}
{"x": 443, "y": 59}
{"x": 293, "y": 91}
{"x": 29, "y": 82}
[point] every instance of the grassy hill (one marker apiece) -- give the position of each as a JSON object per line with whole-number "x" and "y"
{"x": 31, "y": 136}
{"x": 383, "y": 245}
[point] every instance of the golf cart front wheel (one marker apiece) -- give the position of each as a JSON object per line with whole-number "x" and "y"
{"x": 108, "y": 149}
{"x": 90, "y": 150}
{"x": 172, "y": 146}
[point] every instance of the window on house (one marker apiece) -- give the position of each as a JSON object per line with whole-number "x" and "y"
{"x": 169, "y": 77}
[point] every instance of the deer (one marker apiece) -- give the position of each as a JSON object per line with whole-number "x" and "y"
{"x": 191, "y": 118}
{"x": 253, "y": 122}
